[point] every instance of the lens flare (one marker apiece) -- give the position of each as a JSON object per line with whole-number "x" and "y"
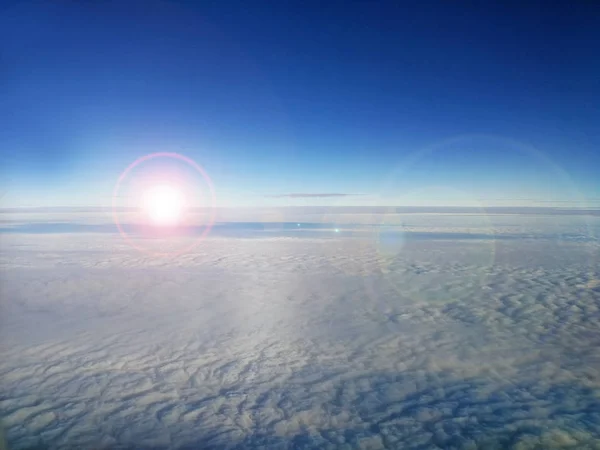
{"x": 177, "y": 201}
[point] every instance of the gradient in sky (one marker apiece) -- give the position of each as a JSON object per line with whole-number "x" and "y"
{"x": 433, "y": 103}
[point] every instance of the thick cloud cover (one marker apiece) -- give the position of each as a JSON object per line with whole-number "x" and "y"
{"x": 305, "y": 341}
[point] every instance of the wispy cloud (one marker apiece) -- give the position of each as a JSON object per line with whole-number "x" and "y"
{"x": 314, "y": 195}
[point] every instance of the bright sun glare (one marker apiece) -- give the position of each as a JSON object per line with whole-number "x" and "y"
{"x": 163, "y": 204}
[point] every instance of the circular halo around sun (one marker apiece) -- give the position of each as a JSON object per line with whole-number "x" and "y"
{"x": 163, "y": 204}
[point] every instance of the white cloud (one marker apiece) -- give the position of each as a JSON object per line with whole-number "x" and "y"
{"x": 284, "y": 342}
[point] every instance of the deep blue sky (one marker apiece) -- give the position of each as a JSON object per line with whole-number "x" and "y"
{"x": 409, "y": 103}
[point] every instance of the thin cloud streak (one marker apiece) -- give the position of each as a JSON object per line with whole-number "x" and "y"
{"x": 317, "y": 195}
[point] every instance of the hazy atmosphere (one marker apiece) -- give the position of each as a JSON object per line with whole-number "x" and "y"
{"x": 299, "y": 225}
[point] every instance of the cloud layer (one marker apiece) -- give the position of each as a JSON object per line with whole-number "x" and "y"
{"x": 290, "y": 342}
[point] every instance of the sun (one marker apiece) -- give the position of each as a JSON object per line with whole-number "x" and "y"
{"x": 163, "y": 204}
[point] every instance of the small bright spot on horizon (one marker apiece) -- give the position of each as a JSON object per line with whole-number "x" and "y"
{"x": 163, "y": 204}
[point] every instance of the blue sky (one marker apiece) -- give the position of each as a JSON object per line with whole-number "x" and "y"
{"x": 435, "y": 103}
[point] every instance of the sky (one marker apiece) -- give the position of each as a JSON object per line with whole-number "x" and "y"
{"x": 282, "y": 103}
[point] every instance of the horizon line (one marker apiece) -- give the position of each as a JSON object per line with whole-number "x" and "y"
{"x": 389, "y": 209}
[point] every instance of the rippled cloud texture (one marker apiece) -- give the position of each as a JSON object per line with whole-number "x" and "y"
{"x": 317, "y": 340}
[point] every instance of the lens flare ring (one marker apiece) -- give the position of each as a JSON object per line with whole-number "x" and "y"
{"x": 207, "y": 226}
